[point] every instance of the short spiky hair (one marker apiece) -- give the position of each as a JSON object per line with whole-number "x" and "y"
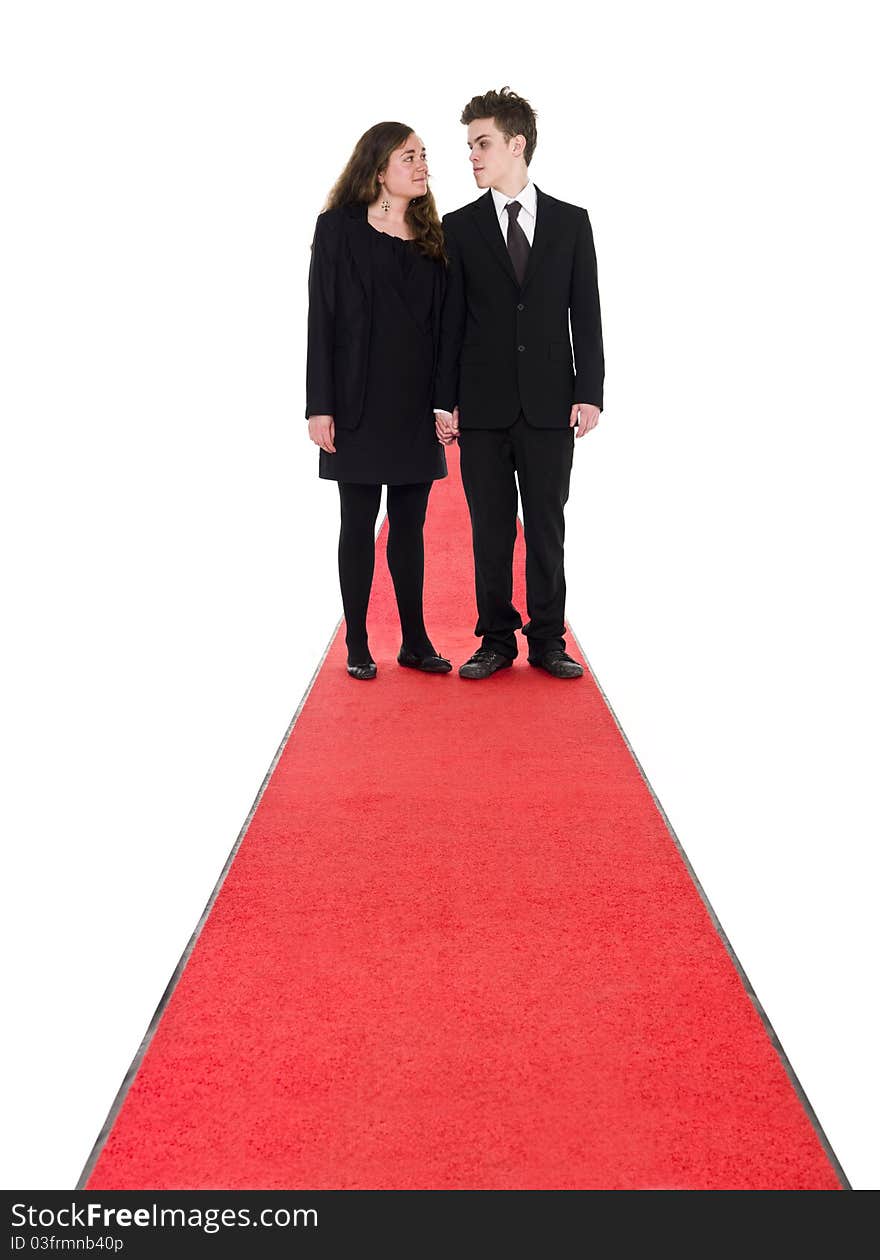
{"x": 513, "y": 116}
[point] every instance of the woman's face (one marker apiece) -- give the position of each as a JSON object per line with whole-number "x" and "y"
{"x": 406, "y": 174}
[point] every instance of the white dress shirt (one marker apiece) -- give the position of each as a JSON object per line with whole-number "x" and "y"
{"x": 528, "y": 200}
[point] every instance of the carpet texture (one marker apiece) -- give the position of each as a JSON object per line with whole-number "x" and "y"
{"x": 458, "y": 948}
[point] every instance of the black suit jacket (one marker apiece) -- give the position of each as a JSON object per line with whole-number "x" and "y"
{"x": 340, "y": 306}
{"x": 506, "y": 349}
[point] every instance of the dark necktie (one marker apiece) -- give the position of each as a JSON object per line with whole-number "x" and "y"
{"x": 517, "y": 241}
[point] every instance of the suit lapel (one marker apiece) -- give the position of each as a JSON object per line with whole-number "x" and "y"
{"x": 487, "y": 222}
{"x": 359, "y": 243}
{"x": 545, "y": 229}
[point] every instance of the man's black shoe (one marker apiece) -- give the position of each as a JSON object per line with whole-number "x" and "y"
{"x": 483, "y": 663}
{"x": 559, "y": 664}
{"x": 427, "y": 664}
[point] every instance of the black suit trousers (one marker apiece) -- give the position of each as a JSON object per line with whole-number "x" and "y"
{"x": 492, "y": 462}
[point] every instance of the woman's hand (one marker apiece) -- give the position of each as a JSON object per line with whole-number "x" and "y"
{"x": 322, "y": 431}
{"x": 446, "y": 426}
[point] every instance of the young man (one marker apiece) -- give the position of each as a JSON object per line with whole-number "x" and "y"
{"x": 521, "y": 266}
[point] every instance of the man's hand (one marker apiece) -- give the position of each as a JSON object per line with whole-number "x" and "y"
{"x": 322, "y": 431}
{"x": 446, "y": 424}
{"x": 589, "y": 418}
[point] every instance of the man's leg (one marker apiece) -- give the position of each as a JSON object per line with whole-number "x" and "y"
{"x": 543, "y": 465}
{"x": 487, "y": 473}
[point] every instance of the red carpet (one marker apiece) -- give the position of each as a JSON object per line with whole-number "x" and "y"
{"x": 435, "y": 963}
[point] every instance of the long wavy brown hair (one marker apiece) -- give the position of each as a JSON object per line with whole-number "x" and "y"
{"x": 358, "y": 185}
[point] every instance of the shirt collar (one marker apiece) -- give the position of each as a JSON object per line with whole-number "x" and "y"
{"x": 527, "y": 198}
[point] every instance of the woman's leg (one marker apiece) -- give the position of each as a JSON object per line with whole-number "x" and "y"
{"x": 406, "y": 560}
{"x": 359, "y": 507}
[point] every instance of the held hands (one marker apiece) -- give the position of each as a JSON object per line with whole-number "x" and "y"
{"x": 446, "y": 424}
{"x": 322, "y": 431}
{"x": 589, "y": 418}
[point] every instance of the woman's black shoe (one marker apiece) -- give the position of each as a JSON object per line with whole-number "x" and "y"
{"x": 427, "y": 664}
{"x": 364, "y": 672}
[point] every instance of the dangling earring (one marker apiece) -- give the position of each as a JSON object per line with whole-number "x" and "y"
{"x": 385, "y": 204}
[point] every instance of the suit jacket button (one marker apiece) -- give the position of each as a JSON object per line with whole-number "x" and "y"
{"x": 520, "y": 307}
{"x": 520, "y": 349}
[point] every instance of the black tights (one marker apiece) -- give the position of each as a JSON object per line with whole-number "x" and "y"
{"x": 359, "y": 505}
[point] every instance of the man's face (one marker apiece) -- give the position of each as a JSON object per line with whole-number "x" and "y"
{"x": 492, "y": 157}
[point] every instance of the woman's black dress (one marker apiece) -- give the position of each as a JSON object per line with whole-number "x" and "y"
{"x": 395, "y": 442}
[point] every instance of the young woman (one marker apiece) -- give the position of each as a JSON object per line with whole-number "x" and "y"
{"x": 376, "y": 286}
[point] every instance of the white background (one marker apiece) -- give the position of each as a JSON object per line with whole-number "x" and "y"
{"x": 169, "y": 554}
